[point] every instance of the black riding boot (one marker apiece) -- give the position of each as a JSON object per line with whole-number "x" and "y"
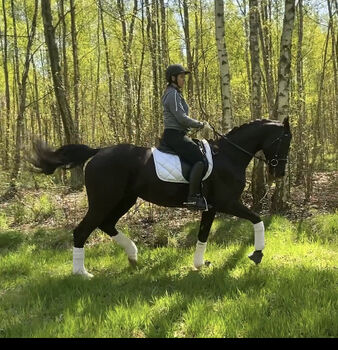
{"x": 195, "y": 199}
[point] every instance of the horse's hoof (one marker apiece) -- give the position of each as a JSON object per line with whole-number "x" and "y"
{"x": 199, "y": 267}
{"x": 207, "y": 263}
{"x": 132, "y": 262}
{"x": 84, "y": 274}
{"x": 256, "y": 256}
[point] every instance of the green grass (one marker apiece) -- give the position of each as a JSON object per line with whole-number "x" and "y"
{"x": 292, "y": 293}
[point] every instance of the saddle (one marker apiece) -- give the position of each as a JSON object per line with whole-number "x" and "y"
{"x": 172, "y": 168}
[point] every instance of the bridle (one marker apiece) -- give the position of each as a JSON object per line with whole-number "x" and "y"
{"x": 273, "y": 162}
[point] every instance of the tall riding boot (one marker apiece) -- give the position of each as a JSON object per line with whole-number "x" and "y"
{"x": 195, "y": 200}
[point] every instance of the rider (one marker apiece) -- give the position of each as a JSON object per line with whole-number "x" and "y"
{"x": 176, "y": 125}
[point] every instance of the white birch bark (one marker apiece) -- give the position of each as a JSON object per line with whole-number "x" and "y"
{"x": 255, "y": 66}
{"x": 223, "y": 65}
{"x": 279, "y": 198}
{"x": 284, "y": 66}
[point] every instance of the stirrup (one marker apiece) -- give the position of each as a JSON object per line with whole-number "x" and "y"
{"x": 195, "y": 203}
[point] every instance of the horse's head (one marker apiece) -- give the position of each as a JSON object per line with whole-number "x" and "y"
{"x": 276, "y": 148}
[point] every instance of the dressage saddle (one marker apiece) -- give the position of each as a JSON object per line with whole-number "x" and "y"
{"x": 186, "y": 167}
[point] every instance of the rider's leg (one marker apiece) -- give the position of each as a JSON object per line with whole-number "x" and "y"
{"x": 195, "y": 198}
{"x": 190, "y": 152}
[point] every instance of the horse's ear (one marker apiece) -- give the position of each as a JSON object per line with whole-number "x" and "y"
{"x": 286, "y": 123}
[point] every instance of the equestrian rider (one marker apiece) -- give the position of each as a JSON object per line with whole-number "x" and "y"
{"x": 176, "y": 125}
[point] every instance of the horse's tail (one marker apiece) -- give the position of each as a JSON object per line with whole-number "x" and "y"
{"x": 69, "y": 156}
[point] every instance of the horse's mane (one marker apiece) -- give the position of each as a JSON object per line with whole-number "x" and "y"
{"x": 251, "y": 123}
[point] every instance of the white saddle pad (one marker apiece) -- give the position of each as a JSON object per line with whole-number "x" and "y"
{"x": 168, "y": 166}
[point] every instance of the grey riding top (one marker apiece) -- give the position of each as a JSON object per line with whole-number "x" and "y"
{"x": 176, "y": 111}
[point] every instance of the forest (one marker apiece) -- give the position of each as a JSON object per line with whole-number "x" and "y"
{"x": 93, "y": 72}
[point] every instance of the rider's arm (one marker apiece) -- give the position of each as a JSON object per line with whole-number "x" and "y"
{"x": 174, "y": 103}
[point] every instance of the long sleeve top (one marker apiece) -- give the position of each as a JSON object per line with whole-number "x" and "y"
{"x": 176, "y": 110}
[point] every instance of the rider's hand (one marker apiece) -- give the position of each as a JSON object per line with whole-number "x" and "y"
{"x": 207, "y": 126}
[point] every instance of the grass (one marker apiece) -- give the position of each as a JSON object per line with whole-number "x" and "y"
{"x": 292, "y": 293}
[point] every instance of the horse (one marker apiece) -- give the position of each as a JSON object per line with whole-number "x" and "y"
{"x": 117, "y": 175}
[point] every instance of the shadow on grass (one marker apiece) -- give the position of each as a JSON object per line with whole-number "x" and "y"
{"x": 43, "y": 238}
{"x": 58, "y": 295}
{"x": 321, "y": 228}
{"x": 10, "y": 241}
{"x": 61, "y": 295}
{"x": 290, "y": 293}
{"x": 224, "y": 230}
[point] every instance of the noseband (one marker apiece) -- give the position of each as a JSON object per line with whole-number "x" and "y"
{"x": 273, "y": 162}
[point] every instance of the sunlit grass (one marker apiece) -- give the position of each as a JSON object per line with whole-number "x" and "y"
{"x": 292, "y": 293}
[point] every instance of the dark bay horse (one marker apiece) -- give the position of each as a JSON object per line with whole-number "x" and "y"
{"x": 116, "y": 176}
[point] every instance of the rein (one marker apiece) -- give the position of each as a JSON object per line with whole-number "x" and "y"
{"x": 272, "y": 162}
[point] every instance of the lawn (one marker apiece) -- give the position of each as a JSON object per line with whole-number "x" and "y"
{"x": 292, "y": 293}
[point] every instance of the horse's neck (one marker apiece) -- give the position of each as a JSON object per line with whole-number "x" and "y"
{"x": 250, "y": 140}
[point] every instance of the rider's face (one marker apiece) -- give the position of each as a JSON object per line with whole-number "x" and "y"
{"x": 180, "y": 80}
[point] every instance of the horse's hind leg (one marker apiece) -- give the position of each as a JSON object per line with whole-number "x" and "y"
{"x": 81, "y": 233}
{"x": 108, "y": 226}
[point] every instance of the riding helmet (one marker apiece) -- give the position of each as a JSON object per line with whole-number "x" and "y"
{"x": 174, "y": 70}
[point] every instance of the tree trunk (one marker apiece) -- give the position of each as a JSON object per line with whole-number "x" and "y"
{"x": 301, "y": 107}
{"x": 284, "y": 66}
{"x": 22, "y": 102}
{"x": 139, "y": 88}
{"x": 37, "y": 108}
{"x": 227, "y": 118}
{"x": 7, "y": 91}
{"x": 164, "y": 38}
{"x": 152, "y": 37}
{"x": 188, "y": 51}
{"x": 127, "y": 39}
{"x": 76, "y": 78}
{"x": 279, "y": 200}
{"x": 266, "y": 44}
{"x": 334, "y": 47}
{"x": 64, "y": 66}
{"x": 111, "y": 113}
{"x": 59, "y": 90}
{"x": 77, "y": 176}
{"x": 258, "y": 186}
{"x": 256, "y": 102}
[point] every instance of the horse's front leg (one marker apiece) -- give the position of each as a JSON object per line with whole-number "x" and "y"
{"x": 238, "y": 209}
{"x": 201, "y": 245}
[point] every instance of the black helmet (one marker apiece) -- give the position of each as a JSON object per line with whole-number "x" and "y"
{"x": 174, "y": 70}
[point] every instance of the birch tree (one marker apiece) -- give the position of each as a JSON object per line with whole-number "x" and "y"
{"x": 227, "y": 118}
{"x": 186, "y": 24}
{"x": 258, "y": 186}
{"x": 300, "y": 99}
{"x": 284, "y": 66}
{"x": 266, "y": 45}
{"x": 279, "y": 197}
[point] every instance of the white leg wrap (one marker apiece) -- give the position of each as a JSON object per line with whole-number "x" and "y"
{"x": 78, "y": 262}
{"x": 199, "y": 254}
{"x": 259, "y": 235}
{"x": 128, "y": 245}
